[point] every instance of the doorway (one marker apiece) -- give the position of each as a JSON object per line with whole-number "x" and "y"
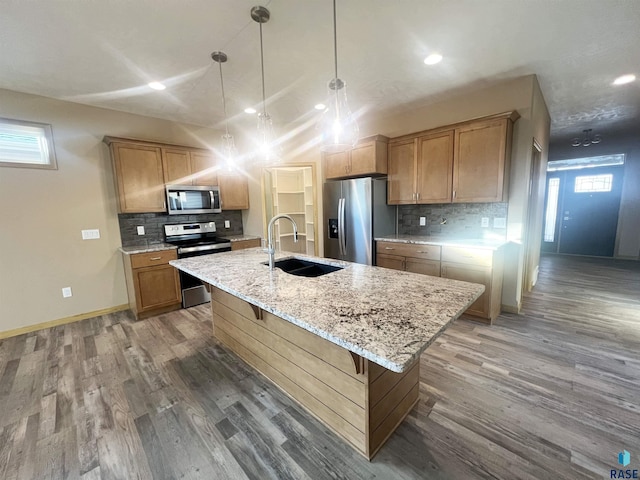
{"x": 581, "y": 211}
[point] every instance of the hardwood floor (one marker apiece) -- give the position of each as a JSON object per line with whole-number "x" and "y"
{"x": 553, "y": 393}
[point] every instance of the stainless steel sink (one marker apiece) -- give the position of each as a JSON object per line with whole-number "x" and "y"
{"x": 304, "y": 268}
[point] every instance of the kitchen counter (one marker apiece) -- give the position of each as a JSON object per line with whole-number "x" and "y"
{"x": 386, "y": 316}
{"x": 146, "y": 249}
{"x": 483, "y": 243}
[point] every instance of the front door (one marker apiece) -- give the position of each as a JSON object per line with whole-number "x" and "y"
{"x": 588, "y": 202}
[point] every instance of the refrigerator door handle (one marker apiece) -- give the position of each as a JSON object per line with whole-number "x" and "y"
{"x": 341, "y": 230}
{"x": 344, "y": 227}
{"x": 340, "y": 226}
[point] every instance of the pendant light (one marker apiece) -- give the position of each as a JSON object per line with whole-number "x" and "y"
{"x": 338, "y": 126}
{"x": 228, "y": 144}
{"x": 267, "y": 145}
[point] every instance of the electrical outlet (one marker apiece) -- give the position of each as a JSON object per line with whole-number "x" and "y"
{"x": 485, "y": 222}
{"x": 66, "y": 292}
{"x": 227, "y": 224}
{"x": 423, "y": 221}
{"x": 499, "y": 222}
{"x": 140, "y": 229}
{"x": 90, "y": 234}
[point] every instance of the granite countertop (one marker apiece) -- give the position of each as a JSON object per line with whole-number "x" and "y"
{"x": 387, "y": 316}
{"x": 146, "y": 249}
{"x": 239, "y": 238}
{"x": 484, "y": 243}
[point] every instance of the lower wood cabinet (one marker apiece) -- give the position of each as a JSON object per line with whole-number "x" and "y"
{"x": 152, "y": 284}
{"x": 475, "y": 265}
{"x": 410, "y": 257}
{"x": 241, "y": 244}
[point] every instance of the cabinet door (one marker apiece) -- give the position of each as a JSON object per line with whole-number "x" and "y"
{"x": 336, "y": 165}
{"x": 435, "y": 168}
{"x": 425, "y": 267}
{"x": 203, "y": 168}
{"x": 479, "y": 162}
{"x": 401, "y": 173}
{"x": 156, "y": 287}
{"x": 390, "y": 261}
{"x": 138, "y": 170}
{"x": 177, "y": 167}
{"x": 234, "y": 191}
{"x": 363, "y": 160}
{"x": 473, "y": 274}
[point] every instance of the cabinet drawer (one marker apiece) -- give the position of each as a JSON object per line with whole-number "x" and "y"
{"x": 160, "y": 257}
{"x": 394, "y": 262}
{"x": 468, "y": 256}
{"x": 242, "y": 244}
{"x": 424, "y": 267}
{"x": 426, "y": 252}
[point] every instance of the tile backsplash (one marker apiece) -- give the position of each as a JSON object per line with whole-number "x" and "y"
{"x": 452, "y": 219}
{"x": 154, "y": 223}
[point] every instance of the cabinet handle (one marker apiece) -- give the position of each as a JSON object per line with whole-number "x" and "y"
{"x": 454, "y": 194}
{"x": 413, "y": 197}
{"x": 389, "y": 248}
{"x": 422, "y": 251}
{"x": 418, "y": 196}
{"x": 155, "y": 258}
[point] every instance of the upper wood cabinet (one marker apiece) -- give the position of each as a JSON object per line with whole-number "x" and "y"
{"x": 369, "y": 157}
{"x": 139, "y": 179}
{"x": 188, "y": 167}
{"x": 462, "y": 163}
{"x": 142, "y": 169}
{"x": 420, "y": 169}
{"x": 234, "y": 191}
{"x": 481, "y": 161}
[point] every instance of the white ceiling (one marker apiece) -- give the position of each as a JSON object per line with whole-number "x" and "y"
{"x": 103, "y": 53}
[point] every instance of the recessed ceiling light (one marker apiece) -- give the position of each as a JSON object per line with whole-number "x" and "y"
{"x": 320, "y": 106}
{"x": 156, "y": 85}
{"x": 433, "y": 59}
{"x": 250, "y": 110}
{"x": 624, "y": 79}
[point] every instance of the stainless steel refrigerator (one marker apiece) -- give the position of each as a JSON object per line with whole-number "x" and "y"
{"x": 356, "y": 211}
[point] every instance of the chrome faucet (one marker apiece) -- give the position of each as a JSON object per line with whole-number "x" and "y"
{"x": 271, "y": 249}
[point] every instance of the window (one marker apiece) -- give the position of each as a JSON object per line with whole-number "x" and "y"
{"x": 26, "y": 144}
{"x": 593, "y": 183}
{"x": 586, "y": 162}
{"x": 552, "y": 210}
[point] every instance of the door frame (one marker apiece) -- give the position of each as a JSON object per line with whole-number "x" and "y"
{"x": 530, "y": 271}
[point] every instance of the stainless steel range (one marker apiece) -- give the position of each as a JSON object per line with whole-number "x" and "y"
{"x": 193, "y": 239}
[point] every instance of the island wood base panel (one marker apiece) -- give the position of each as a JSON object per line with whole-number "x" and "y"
{"x": 359, "y": 400}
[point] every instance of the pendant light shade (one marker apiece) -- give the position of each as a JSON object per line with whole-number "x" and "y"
{"x": 230, "y": 153}
{"x": 268, "y": 148}
{"x": 338, "y": 126}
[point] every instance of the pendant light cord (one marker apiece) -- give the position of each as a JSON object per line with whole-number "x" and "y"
{"x": 264, "y": 103}
{"x": 224, "y": 102}
{"x": 335, "y": 40}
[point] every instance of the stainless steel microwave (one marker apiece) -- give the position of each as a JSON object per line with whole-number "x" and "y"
{"x": 187, "y": 199}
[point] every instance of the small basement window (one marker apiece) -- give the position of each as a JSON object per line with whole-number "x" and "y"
{"x": 26, "y": 144}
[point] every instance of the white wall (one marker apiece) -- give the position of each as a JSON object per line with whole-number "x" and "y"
{"x": 43, "y": 211}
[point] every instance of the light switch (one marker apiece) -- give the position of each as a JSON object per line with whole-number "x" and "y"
{"x": 423, "y": 221}
{"x": 485, "y": 222}
{"x": 66, "y": 292}
{"x": 90, "y": 234}
{"x": 140, "y": 229}
{"x": 227, "y": 224}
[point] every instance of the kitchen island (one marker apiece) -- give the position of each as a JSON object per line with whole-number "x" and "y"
{"x": 345, "y": 345}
